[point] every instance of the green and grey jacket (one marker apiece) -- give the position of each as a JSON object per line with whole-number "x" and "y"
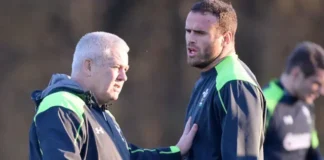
{"x": 69, "y": 124}
{"x": 290, "y": 125}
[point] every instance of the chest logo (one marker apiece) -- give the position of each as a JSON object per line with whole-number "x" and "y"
{"x": 288, "y": 120}
{"x": 99, "y": 130}
{"x": 203, "y": 98}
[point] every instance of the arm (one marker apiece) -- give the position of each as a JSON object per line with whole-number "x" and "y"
{"x": 137, "y": 153}
{"x": 59, "y": 132}
{"x": 169, "y": 153}
{"x": 314, "y": 151}
{"x": 242, "y": 119}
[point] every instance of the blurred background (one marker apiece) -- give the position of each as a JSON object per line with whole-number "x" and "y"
{"x": 38, "y": 39}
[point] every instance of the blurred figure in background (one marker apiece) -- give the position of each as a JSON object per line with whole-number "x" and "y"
{"x": 227, "y": 102}
{"x": 290, "y": 129}
{"x": 72, "y": 119}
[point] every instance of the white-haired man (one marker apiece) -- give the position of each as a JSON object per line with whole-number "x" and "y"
{"x": 72, "y": 120}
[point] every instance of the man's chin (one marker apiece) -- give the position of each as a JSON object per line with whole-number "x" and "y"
{"x": 192, "y": 63}
{"x": 198, "y": 65}
{"x": 115, "y": 97}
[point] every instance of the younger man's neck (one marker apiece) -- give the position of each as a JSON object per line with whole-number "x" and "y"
{"x": 223, "y": 55}
{"x": 285, "y": 79}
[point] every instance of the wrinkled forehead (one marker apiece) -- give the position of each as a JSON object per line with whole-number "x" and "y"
{"x": 119, "y": 56}
{"x": 200, "y": 21}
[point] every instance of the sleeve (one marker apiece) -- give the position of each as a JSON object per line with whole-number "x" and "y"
{"x": 60, "y": 134}
{"x": 242, "y": 119}
{"x": 167, "y": 153}
{"x": 137, "y": 153}
{"x": 314, "y": 151}
{"x": 314, "y": 154}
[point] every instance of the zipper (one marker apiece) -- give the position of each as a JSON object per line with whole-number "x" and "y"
{"x": 107, "y": 122}
{"x": 103, "y": 113}
{"x": 112, "y": 126}
{"x": 91, "y": 101}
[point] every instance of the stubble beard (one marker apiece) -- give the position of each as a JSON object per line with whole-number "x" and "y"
{"x": 203, "y": 59}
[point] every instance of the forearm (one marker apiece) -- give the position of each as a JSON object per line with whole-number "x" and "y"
{"x": 167, "y": 153}
{"x": 242, "y": 121}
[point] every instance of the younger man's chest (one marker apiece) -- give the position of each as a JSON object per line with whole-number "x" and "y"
{"x": 292, "y": 126}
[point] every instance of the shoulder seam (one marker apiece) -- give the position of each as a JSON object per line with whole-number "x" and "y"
{"x": 232, "y": 73}
{"x": 272, "y": 100}
{"x": 62, "y": 99}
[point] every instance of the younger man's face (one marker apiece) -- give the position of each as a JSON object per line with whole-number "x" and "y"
{"x": 310, "y": 88}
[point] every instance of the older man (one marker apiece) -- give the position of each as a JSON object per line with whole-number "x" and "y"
{"x": 72, "y": 120}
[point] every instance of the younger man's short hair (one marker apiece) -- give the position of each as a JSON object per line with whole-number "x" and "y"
{"x": 224, "y": 12}
{"x": 308, "y": 56}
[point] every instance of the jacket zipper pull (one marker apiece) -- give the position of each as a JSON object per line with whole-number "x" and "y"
{"x": 103, "y": 113}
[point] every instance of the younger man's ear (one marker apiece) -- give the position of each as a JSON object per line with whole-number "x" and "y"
{"x": 295, "y": 72}
{"x": 227, "y": 38}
